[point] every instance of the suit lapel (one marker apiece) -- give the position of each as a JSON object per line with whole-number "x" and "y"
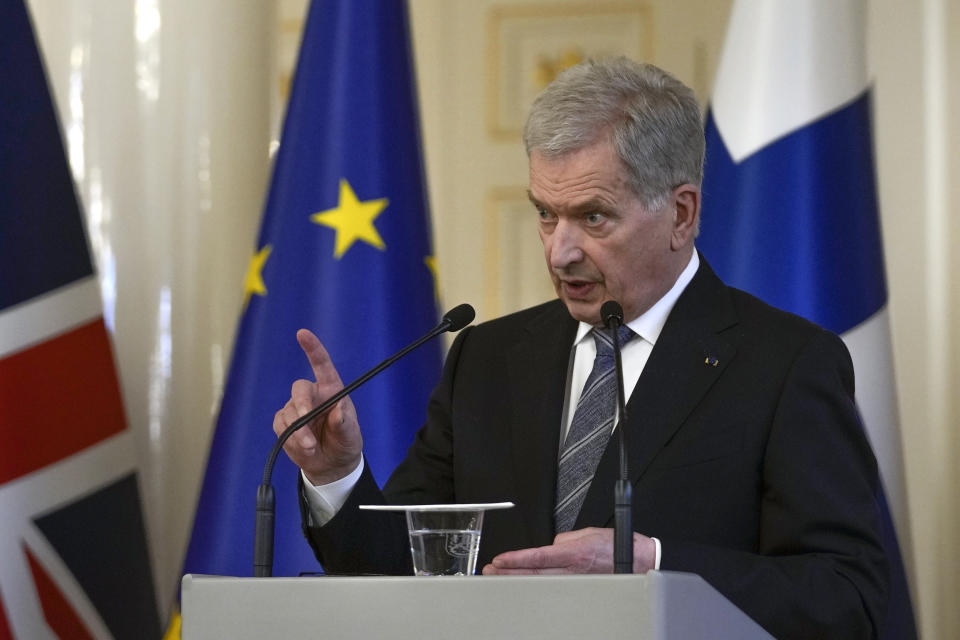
{"x": 538, "y": 375}
{"x": 685, "y": 362}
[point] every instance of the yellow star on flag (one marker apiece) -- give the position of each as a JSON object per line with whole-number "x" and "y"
{"x": 353, "y": 220}
{"x": 253, "y": 281}
{"x": 431, "y": 262}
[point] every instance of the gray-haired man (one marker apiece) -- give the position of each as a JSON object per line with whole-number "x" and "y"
{"x": 748, "y": 462}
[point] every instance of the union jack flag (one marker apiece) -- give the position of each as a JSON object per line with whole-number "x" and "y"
{"x": 73, "y": 556}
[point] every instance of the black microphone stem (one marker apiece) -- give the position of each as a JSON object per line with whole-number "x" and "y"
{"x": 454, "y": 320}
{"x": 622, "y": 492}
{"x": 621, "y": 402}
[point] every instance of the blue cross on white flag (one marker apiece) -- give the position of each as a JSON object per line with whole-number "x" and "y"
{"x": 790, "y": 209}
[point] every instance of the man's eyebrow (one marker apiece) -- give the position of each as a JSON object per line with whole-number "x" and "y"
{"x": 593, "y": 204}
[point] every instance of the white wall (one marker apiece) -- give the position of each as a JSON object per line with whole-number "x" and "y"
{"x": 916, "y": 64}
{"x": 166, "y": 110}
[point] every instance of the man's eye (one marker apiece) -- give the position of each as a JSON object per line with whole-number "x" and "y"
{"x": 594, "y": 218}
{"x": 543, "y": 214}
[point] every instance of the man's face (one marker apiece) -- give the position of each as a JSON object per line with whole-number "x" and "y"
{"x": 600, "y": 242}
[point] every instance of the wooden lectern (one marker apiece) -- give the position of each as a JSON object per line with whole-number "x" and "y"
{"x": 658, "y": 605}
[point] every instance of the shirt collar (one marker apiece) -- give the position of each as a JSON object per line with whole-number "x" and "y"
{"x": 650, "y": 323}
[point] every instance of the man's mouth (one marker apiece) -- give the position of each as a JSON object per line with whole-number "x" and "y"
{"x": 578, "y": 288}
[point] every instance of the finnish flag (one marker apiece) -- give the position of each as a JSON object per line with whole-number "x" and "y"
{"x": 790, "y": 208}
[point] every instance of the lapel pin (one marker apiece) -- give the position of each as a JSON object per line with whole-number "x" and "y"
{"x": 711, "y": 361}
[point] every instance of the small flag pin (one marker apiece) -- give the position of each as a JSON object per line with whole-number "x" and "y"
{"x": 711, "y": 361}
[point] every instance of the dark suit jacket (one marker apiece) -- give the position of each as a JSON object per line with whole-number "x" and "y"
{"x": 746, "y": 453}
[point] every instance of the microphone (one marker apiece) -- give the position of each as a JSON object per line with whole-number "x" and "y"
{"x": 612, "y": 315}
{"x": 453, "y": 320}
{"x": 458, "y": 317}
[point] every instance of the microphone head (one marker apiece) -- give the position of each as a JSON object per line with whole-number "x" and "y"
{"x": 611, "y": 310}
{"x": 459, "y": 317}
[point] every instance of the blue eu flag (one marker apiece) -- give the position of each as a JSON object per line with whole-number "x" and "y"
{"x": 345, "y": 251}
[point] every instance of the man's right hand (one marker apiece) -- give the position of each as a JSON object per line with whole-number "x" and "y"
{"x": 330, "y": 446}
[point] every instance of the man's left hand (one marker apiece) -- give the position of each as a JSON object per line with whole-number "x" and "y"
{"x": 581, "y": 551}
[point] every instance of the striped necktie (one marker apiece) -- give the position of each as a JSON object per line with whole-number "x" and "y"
{"x": 589, "y": 431}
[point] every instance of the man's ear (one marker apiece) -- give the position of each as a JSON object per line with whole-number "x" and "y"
{"x": 686, "y": 216}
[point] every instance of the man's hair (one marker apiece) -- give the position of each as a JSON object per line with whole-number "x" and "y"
{"x": 652, "y": 119}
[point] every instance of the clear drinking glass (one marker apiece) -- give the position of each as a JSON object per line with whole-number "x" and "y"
{"x": 444, "y": 538}
{"x": 444, "y": 543}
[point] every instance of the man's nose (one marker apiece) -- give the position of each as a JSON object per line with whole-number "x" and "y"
{"x": 565, "y": 246}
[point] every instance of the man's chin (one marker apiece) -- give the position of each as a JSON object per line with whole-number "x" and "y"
{"x": 583, "y": 311}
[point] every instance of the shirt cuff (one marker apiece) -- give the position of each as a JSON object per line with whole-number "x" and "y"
{"x": 656, "y": 557}
{"x": 326, "y": 499}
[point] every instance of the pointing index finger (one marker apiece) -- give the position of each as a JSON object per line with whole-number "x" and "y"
{"x": 323, "y": 369}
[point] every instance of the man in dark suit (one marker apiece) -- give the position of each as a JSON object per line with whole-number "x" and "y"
{"x": 748, "y": 462}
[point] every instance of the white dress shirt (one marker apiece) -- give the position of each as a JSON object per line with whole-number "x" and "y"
{"x": 633, "y": 354}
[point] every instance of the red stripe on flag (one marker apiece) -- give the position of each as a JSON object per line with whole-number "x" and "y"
{"x": 5, "y": 633}
{"x": 59, "y": 614}
{"x": 56, "y": 399}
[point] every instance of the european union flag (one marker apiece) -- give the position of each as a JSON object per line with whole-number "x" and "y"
{"x": 790, "y": 209}
{"x": 345, "y": 251}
